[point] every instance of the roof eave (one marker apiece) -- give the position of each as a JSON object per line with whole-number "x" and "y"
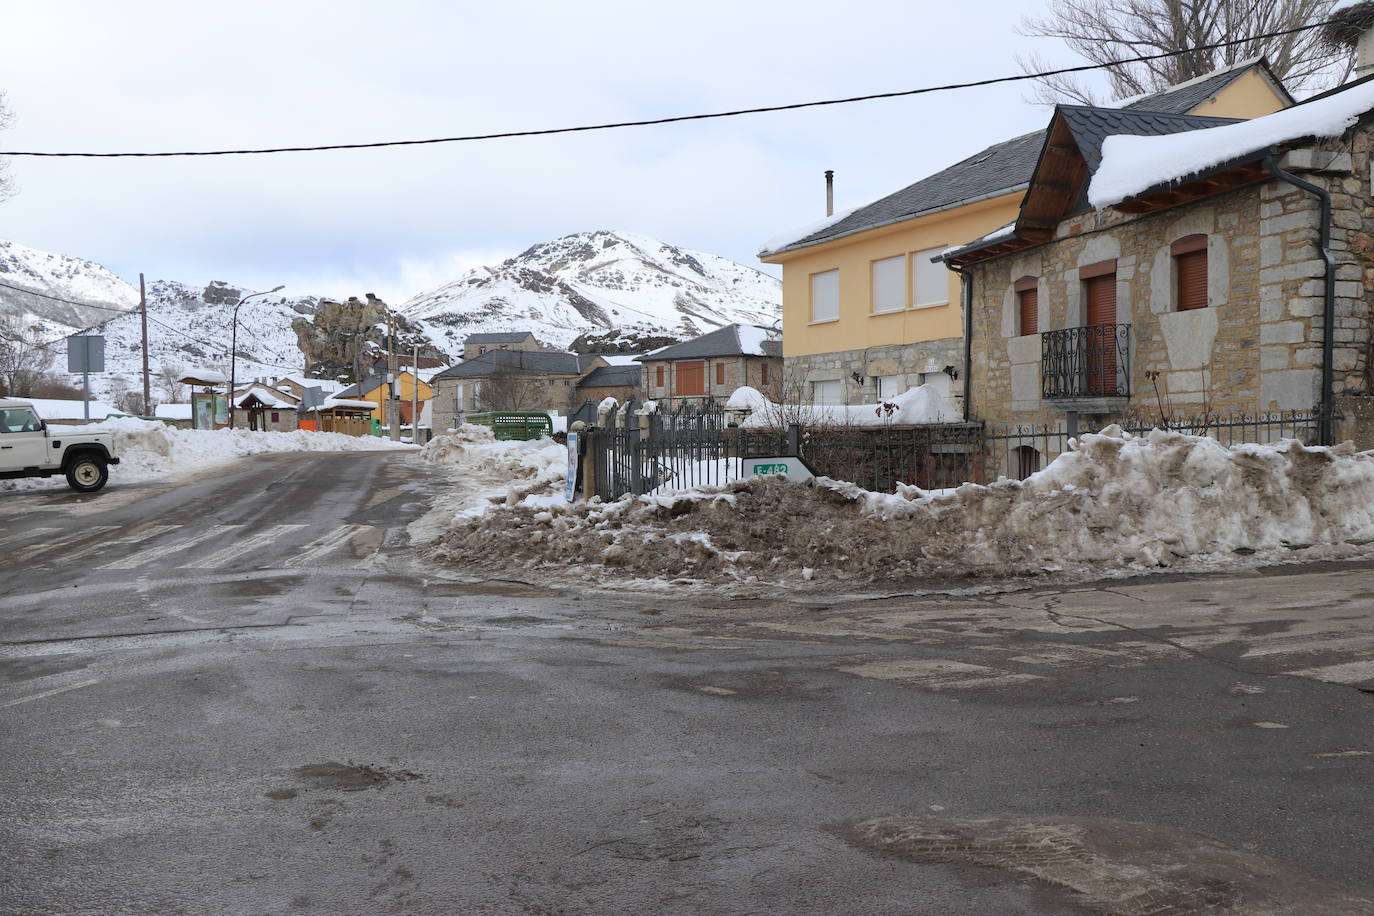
{"x": 797, "y": 246}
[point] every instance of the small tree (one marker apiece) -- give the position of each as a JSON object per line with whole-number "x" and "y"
{"x": 507, "y": 389}
{"x": 24, "y": 358}
{"x": 169, "y": 383}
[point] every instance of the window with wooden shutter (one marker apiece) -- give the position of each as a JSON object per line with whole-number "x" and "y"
{"x": 765, "y": 373}
{"x": 690, "y": 378}
{"x": 1190, "y": 269}
{"x": 1099, "y": 288}
{"x": 1027, "y": 306}
{"x": 658, "y": 376}
{"x": 720, "y": 373}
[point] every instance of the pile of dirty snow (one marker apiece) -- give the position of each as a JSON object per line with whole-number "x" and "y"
{"x": 148, "y": 449}
{"x": 1116, "y": 502}
{"x": 489, "y": 473}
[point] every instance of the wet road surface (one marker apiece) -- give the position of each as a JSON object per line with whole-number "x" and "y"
{"x": 244, "y": 694}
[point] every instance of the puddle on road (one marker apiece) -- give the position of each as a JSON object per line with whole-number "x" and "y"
{"x": 352, "y": 777}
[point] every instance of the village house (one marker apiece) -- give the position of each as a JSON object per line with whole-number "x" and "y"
{"x": 260, "y": 406}
{"x": 868, "y": 314}
{"x": 714, "y": 365}
{"x": 476, "y": 344}
{"x": 537, "y": 380}
{"x": 619, "y": 382}
{"x": 1163, "y": 267}
{"x": 411, "y": 387}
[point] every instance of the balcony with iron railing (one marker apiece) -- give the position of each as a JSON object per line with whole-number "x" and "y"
{"x": 1087, "y": 363}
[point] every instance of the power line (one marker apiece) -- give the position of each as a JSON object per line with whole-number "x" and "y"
{"x": 675, "y": 119}
{"x": 89, "y": 305}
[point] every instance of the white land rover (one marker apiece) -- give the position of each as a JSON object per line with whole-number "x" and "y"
{"x": 30, "y": 448}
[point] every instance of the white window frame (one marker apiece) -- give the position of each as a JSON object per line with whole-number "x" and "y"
{"x": 893, "y": 384}
{"x": 920, "y": 261}
{"x": 830, "y": 283}
{"x": 897, "y": 303}
{"x": 832, "y": 384}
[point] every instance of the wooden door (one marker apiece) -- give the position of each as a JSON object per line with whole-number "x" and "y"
{"x": 1100, "y": 343}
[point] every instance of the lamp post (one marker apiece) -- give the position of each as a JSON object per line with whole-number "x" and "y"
{"x": 234, "y": 346}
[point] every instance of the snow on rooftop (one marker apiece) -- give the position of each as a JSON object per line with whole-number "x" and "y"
{"x": 781, "y": 241}
{"x": 1133, "y": 164}
{"x": 620, "y": 359}
{"x": 346, "y": 402}
{"x": 752, "y": 339}
{"x": 206, "y": 375}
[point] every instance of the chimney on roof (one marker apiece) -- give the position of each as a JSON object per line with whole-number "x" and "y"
{"x": 1354, "y": 29}
{"x": 829, "y": 192}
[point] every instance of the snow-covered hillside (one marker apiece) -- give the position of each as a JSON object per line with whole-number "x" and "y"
{"x": 595, "y": 281}
{"x": 64, "y": 277}
{"x": 589, "y": 282}
{"x": 188, "y": 327}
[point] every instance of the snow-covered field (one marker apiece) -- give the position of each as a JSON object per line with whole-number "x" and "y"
{"x": 150, "y": 450}
{"x": 1118, "y": 504}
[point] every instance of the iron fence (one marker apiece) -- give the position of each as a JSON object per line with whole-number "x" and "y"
{"x": 693, "y": 445}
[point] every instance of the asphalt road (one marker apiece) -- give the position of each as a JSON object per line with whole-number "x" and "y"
{"x": 245, "y": 694}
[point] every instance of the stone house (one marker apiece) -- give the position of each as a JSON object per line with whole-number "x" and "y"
{"x": 714, "y": 365}
{"x": 619, "y": 382}
{"x": 509, "y": 380}
{"x": 261, "y": 407}
{"x": 1167, "y": 267}
{"x": 868, "y": 314}
{"x": 476, "y": 344}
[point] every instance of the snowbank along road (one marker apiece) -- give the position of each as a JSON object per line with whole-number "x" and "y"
{"x": 242, "y": 693}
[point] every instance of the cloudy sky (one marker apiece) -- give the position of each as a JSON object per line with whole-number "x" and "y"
{"x": 142, "y": 75}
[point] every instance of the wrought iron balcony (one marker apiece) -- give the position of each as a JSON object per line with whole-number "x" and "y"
{"x": 1088, "y": 362}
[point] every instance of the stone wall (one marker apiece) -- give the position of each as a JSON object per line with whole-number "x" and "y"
{"x": 913, "y": 363}
{"x": 1256, "y": 348}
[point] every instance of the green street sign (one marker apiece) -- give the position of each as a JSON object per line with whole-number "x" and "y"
{"x": 791, "y": 468}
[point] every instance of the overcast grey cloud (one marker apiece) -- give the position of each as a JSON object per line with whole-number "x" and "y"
{"x": 175, "y": 75}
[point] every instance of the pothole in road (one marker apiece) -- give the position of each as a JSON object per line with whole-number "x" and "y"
{"x": 1115, "y": 867}
{"x": 351, "y": 777}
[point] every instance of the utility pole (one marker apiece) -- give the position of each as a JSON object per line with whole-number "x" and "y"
{"x": 143, "y": 315}
{"x": 415, "y": 396}
{"x": 393, "y": 404}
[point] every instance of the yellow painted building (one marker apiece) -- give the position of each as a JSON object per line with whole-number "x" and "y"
{"x": 866, "y": 314}
{"x": 374, "y": 389}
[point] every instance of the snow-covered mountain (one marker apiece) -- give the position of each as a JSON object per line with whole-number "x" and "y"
{"x": 63, "y": 277}
{"x": 600, "y": 283}
{"x": 188, "y": 327}
{"x": 594, "y": 282}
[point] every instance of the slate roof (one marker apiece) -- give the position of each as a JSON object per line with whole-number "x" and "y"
{"x": 356, "y": 391}
{"x": 612, "y": 377}
{"x": 720, "y": 342}
{"x": 533, "y": 362}
{"x": 1186, "y": 96}
{"x": 497, "y": 337}
{"x": 1090, "y": 126}
{"x": 1003, "y": 167}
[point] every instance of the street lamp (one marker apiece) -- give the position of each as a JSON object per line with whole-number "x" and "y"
{"x": 234, "y": 346}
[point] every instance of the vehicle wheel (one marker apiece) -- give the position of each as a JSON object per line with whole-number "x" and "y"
{"x": 87, "y": 474}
